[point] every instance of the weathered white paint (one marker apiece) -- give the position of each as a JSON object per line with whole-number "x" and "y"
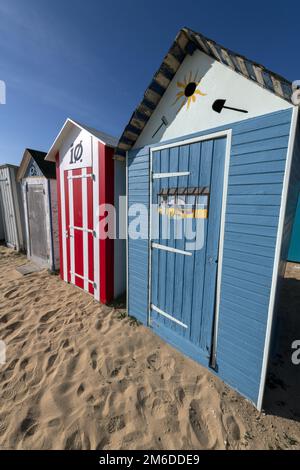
{"x": 217, "y": 82}
{"x": 11, "y": 207}
{"x": 55, "y": 228}
{"x": 50, "y": 201}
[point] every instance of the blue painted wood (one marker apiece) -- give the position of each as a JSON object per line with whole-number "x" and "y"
{"x": 213, "y": 237}
{"x": 258, "y": 157}
{"x": 196, "y": 279}
{"x": 294, "y": 249}
{"x": 260, "y": 146}
{"x": 257, "y": 163}
{"x": 138, "y": 249}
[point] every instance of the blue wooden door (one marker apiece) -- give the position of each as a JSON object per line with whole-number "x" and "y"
{"x": 187, "y": 191}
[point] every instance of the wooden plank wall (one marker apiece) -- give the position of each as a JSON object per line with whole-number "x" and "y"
{"x": 257, "y": 163}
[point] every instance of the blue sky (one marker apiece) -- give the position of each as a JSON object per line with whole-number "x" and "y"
{"x": 92, "y": 60}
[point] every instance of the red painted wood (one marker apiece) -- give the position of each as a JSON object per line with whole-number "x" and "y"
{"x": 106, "y": 196}
{"x": 67, "y": 212}
{"x": 90, "y": 219}
{"x": 78, "y": 222}
{"x": 61, "y": 261}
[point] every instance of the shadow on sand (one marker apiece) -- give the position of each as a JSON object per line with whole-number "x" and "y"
{"x": 282, "y": 395}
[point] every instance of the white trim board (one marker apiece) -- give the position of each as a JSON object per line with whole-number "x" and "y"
{"x": 63, "y": 221}
{"x": 127, "y": 249}
{"x": 171, "y": 249}
{"x": 95, "y": 167}
{"x": 82, "y": 176}
{"x": 221, "y": 245}
{"x": 71, "y": 224}
{"x": 170, "y": 175}
{"x": 277, "y": 256}
{"x": 84, "y": 229}
{"x": 166, "y": 315}
{"x": 192, "y": 140}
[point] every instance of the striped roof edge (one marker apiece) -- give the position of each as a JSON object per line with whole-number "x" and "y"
{"x": 186, "y": 42}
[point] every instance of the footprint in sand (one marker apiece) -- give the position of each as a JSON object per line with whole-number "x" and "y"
{"x": 232, "y": 428}
{"x": 179, "y": 395}
{"x": 3, "y": 424}
{"x": 11, "y": 328}
{"x": 154, "y": 361}
{"x": 168, "y": 368}
{"x": 8, "y": 316}
{"x": 46, "y": 317}
{"x": 65, "y": 343}
{"x": 73, "y": 442}
{"x": 141, "y": 396}
{"x": 103, "y": 442}
{"x": 115, "y": 371}
{"x": 51, "y": 361}
{"x": 29, "y": 424}
{"x": 53, "y": 423}
{"x": 116, "y": 424}
{"x": 24, "y": 363}
{"x": 162, "y": 405}
{"x": 80, "y": 389}
{"x": 9, "y": 294}
{"x": 94, "y": 357}
{"x": 12, "y": 364}
{"x": 200, "y": 426}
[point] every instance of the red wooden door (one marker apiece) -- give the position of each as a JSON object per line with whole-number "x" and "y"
{"x": 79, "y": 227}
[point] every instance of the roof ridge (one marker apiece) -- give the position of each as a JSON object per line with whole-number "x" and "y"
{"x": 186, "y": 42}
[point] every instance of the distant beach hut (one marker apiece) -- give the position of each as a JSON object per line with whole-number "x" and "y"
{"x": 38, "y": 179}
{"x": 214, "y": 144}
{"x": 2, "y": 233}
{"x": 88, "y": 176}
{"x": 11, "y": 208}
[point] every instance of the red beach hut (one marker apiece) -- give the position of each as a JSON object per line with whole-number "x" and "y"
{"x": 88, "y": 176}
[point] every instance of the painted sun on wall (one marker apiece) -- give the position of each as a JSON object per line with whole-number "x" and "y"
{"x": 188, "y": 91}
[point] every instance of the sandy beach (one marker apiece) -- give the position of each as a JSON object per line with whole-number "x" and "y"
{"x": 80, "y": 375}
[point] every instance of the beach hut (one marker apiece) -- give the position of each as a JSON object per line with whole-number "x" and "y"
{"x": 213, "y": 148}
{"x": 2, "y": 234}
{"x": 88, "y": 178}
{"x": 11, "y": 208}
{"x": 38, "y": 179}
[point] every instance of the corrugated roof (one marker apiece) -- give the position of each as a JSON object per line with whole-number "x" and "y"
{"x": 105, "y": 138}
{"x": 101, "y": 136}
{"x": 47, "y": 168}
{"x": 8, "y": 165}
{"x": 186, "y": 42}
